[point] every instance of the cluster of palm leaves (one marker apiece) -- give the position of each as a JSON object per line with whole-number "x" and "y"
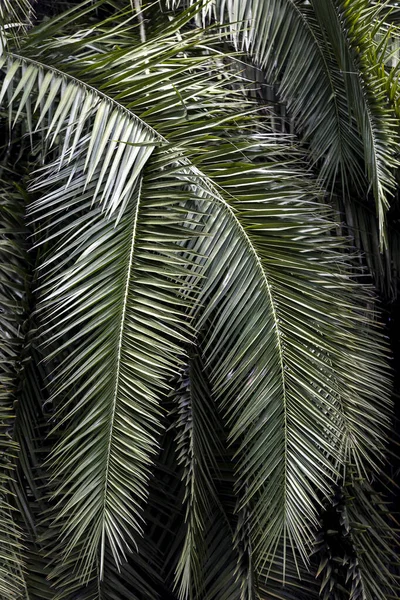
{"x": 195, "y": 385}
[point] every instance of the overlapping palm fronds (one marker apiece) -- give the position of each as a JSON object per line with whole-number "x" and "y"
{"x": 258, "y": 372}
{"x": 211, "y": 368}
{"x": 329, "y": 63}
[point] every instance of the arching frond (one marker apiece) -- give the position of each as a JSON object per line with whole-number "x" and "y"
{"x": 351, "y": 29}
{"x": 117, "y": 141}
{"x": 268, "y": 350}
{"x": 283, "y": 39}
{"x": 64, "y": 217}
{"x": 113, "y": 293}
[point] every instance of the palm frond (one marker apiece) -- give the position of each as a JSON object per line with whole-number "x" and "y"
{"x": 283, "y": 39}
{"x": 276, "y": 367}
{"x": 119, "y": 141}
{"x": 210, "y": 549}
{"x": 331, "y": 70}
{"x": 114, "y": 292}
{"x": 351, "y": 31}
{"x": 81, "y": 133}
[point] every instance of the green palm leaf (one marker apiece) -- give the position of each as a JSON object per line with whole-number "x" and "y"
{"x": 115, "y": 294}
{"x": 70, "y": 171}
{"x": 284, "y": 41}
{"x": 118, "y": 140}
{"x": 276, "y": 367}
{"x": 351, "y": 31}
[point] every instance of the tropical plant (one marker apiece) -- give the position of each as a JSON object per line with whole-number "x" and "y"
{"x": 195, "y": 391}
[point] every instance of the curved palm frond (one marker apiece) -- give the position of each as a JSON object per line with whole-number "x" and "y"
{"x": 118, "y": 140}
{"x": 116, "y": 313}
{"x": 351, "y": 29}
{"x": 283, "y": 39}
{"x": 63, "y": 114}
{"x": 277, "y": 367}
{"x": 331, "y": 71}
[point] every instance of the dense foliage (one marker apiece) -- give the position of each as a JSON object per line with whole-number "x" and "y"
{"x": 195, "y": 398}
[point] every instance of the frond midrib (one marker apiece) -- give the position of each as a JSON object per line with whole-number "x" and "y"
{"x": 275, "y": 317}
{"x": 95, "y": 90}
{"x": 304, "y": 19}
{"x": 118, "y": 371}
